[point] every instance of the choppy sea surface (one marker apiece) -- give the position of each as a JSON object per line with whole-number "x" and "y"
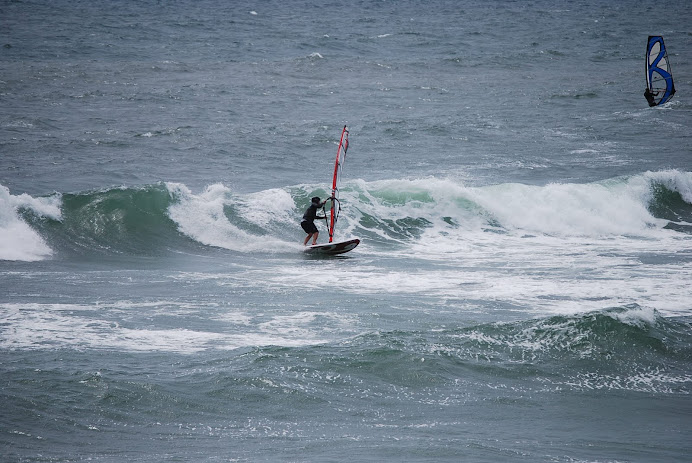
{"x": 522, "y": 287}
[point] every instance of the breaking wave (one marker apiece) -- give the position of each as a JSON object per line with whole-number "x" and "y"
{"x": 169, "y": 217}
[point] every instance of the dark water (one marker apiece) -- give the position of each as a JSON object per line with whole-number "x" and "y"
{"x": 521, "y": 290}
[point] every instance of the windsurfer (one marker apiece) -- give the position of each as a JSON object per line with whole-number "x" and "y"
{"x": 309, "y": 217}
{"x": 649, "y": 97}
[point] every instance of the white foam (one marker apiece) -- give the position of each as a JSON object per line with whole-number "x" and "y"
{"x": 202, "y": 218}
{"x": 674, "y": 180}
{"x": 41, "y": 326}
{"x": 54, "y": 326}
{"x": 536, "y": 275}
{"x": 639, "y": 316}
{"x": 559, "y": 248}
{"x": 267, "y": 206}
{"x": 569, "y": 209}
{"x": 614, "y": 208}
{"x": 647, "y": 381}
{"x": 18, "y": 241}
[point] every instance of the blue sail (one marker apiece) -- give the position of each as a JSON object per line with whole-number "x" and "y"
{"x": 659, "y": 78}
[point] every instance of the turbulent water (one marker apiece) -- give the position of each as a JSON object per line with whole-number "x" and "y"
{"x": 522, "y": 287}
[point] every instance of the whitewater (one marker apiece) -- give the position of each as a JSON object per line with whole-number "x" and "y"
{"x": 586, "y": 237}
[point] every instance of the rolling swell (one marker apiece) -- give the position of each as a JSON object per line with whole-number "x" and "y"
{"x": 625, "y": 348}
{"x": 619, "y": 349}
{"x": 372, "y": 378}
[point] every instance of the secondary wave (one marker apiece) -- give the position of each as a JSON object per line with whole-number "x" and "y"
{"x": 621, "y": 348}
{"x": 154, "y": 219}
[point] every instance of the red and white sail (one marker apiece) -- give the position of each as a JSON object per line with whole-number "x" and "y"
{"x": 340, "y": 158}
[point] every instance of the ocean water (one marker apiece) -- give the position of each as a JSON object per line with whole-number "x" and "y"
{"x": 522, "y": 287}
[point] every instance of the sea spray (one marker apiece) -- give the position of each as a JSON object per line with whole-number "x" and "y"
{"x": 203, "y": 218}
{"x": 18, "y": 241}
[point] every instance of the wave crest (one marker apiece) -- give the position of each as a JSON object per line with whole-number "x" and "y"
{"x": 401, "y": 212}
{"x": 18, "y": 241}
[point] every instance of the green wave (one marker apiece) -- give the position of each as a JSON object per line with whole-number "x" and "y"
{"x": 113, "y": 221}
{"x": 139, "y": 220}
{"x": 628, "y": 347}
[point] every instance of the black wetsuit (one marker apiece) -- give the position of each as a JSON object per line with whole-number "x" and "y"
{"x": 309, "y": 217}
{"x": 649, "y": 97}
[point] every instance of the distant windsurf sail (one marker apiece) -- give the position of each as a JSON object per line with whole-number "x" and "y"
{"x": 659, "y": 78}
{"x": 340, "y": 158}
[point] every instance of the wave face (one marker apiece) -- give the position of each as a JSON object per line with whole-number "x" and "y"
{"x": 625, "y": 348}
{"x": 630, "y": 347}
{"x": 622, "y": 348}
{"x": 117, "y": 221}
{"x": 160, "y": 218}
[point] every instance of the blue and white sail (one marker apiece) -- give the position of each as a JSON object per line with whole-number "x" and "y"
{"x": 659, "y": 78}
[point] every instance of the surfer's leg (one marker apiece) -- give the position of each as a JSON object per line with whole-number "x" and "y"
{"x": 315, "y": 235}
{"x": 307, "y": 238}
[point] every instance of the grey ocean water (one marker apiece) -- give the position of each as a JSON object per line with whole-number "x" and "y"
{"x": 521, "y": 292}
